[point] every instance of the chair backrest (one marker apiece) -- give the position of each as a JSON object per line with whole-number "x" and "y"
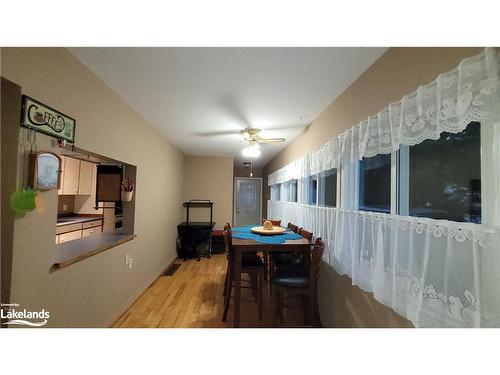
{"x": 274, "y": 222}
{"x": 307, "y": 235}
{"x": 228, "y": 240}
{"x": 293, "y": 228}
{"x": 316, "y": 255}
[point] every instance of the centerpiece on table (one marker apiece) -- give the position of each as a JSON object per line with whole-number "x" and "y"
{"x": 268, "y": 229}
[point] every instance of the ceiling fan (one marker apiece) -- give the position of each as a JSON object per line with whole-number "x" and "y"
{"x": 251, "y": 136}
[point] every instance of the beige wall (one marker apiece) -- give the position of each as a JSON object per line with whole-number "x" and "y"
{"x": 396, "y": 73}
{"x": 245, "y": 172}
{"x": 210, "y": 177}
{"x": 91, "y": 293}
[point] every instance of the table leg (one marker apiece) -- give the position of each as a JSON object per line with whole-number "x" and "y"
{"x": 237, "y": 282}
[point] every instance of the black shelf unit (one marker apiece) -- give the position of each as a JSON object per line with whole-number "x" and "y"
{"x": 193, "y": 236}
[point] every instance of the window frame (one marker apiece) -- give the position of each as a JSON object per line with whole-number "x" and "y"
{"x": 489, "y": 199}
{"x": 357, "y": 180}
{"x": 294, "y": 190}
{"x": 272, "y": 195}
{"x": 311, "y": 194}
{"x": 322, "y": 187}
{"x": 490, "y": 174}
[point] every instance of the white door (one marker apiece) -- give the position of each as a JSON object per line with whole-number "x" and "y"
{"x": 247, "y": 201}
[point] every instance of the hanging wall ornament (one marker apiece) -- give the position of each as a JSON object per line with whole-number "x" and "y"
{"x": 22, "y": 200}
{"x": 44, "y": 119}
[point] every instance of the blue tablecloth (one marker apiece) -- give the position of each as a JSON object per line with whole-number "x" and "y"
{"x": 245, "y": 233}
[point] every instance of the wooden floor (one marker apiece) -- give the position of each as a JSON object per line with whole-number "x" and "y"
{"x": 192, "y": 297}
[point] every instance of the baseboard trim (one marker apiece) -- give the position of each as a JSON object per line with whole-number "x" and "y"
{"x": 115, "y": 317}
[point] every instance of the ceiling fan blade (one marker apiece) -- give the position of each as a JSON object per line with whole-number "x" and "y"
{"x": 271, "y": 140}
{"x": 219, "y": 133}
{"x": 285, "y": 127}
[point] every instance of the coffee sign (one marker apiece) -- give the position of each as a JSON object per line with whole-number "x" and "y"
{"x": 42, "y": 118}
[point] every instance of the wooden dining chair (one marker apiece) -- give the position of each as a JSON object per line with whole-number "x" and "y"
{"x": 304, "y": 233}
{"x": 286, "y": 258}
{"x": 249, "y": 256}
{"x": 301, "y": 283}
{"x": 294, "y": 228}
{"x": 251, "y": 265}
{"x": 266, "y": 255}
{"x": 274, "y": 222}
{"x": 291, "y": 258}
{"x": 227, "y": 226}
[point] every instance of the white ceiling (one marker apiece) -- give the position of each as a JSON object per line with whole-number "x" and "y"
{"x": 195, "y": 96}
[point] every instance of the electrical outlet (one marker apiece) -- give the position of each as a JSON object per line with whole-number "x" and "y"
{"x": 65, "y": 207}
{"x": 130, "y": 262}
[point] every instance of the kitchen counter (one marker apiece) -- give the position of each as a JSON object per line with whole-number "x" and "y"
{"x": 66, "y": 220}
{"x": 77, "y": 250}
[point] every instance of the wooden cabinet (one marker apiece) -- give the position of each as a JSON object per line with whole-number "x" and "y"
{"x": 85, "y": 178}
{"x": 68, "y": 228}
{"x": 77, "y": 177}
{"x": 70, "y": 236}
{"x": 69, "y": 232}
{"x": 91, "y": 231}
{"x": 90, "y": 224}
{"x": 71, "y": 176}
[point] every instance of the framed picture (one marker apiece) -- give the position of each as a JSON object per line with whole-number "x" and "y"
{"x": 44, "y": 119}
{"x": 46, "y": 171}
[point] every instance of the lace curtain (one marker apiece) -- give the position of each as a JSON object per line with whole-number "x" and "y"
{"x": 448, "y": 104}
{"x": 435, "y": 273}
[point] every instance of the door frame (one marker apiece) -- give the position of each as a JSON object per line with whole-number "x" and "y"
{"x": 235, "y": 192}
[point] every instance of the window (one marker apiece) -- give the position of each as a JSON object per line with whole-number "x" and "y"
{"x": 327, "y": 195}
{"x": 293, "y": 191}
{"x": 284, "y": 191}
{"x": 275, "y": 192}
{"x": 303, "y": 190}
{"x": 439, "y": 179}
{"x": 312, "y": 182}
{"x": 444, "y": 177}
{"x": 375, "y": 183}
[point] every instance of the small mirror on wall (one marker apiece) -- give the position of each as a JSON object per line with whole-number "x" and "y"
{"x": 46, "y": 171}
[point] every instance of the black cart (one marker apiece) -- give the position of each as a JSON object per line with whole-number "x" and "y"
{"x": 194, "y": 238}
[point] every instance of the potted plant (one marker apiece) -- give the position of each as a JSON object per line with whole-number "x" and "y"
{"x": 127, "y": 189}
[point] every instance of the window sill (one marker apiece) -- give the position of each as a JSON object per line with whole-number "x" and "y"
{"x": 72, "y": 252}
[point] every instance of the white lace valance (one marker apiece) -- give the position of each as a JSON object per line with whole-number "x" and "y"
{"x": 436, "y": 273}
{"x": 468, "y": 93}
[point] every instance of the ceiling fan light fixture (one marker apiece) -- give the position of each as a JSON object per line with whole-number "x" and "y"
{"x": 251, "y": 152}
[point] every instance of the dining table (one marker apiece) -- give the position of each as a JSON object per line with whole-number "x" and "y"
{"x": 243, "y": 241}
